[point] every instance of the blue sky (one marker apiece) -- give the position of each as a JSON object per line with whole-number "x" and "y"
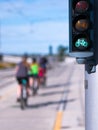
{"x": 33, "y": 25}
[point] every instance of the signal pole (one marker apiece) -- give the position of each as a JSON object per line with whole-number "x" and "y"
{"x": 83, "y": 44}
{"x": 91, "y": 84}
{"x": 91, "y": 100}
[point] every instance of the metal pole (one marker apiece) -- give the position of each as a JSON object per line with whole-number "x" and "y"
{"x": 91, "y": 84}
{"x": 91, "y": 100}
{"x": 91, "y": 92}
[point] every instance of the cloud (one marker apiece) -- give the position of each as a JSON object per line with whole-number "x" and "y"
{"x": 42, "y": 35}
{"x": 44, "y": 31}
{"x": 32, "y": 11}
{"x": 28, "y": 24}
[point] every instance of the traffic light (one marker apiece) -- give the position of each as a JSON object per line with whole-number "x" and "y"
{"x": 81, "y": 29}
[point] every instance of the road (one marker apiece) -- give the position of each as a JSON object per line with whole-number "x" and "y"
{"x": 58, "y": 106}
{"x": 6, "y": 77}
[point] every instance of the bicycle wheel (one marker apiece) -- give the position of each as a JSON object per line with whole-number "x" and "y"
{"x": 23, "y": 97}
{"x": 44, "y": 81}
{"x": 22, "y": 103}
{"x": 35, "y": 87}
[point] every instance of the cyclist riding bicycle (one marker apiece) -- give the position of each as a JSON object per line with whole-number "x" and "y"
{"x": 22, "y": 73}
{"x": 43, "y": 63}
{"x": 33, "y": 72}
{"x": 43, "y": 69}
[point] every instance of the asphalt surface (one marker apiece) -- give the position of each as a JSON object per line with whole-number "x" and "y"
{"x": 58, "y": 106}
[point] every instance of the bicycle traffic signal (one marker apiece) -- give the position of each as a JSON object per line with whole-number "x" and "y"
{"x": 81, "y": 29}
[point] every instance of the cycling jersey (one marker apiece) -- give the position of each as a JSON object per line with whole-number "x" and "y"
{"x": 34, "y": 69}
{"x": 41, "y": 72}
{"x": 22, "y": 70}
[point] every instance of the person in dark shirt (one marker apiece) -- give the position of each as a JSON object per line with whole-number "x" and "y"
{"x": 43, "y": 63}
{"x": 43, "y": 69}
{"x": 22, "y": 73}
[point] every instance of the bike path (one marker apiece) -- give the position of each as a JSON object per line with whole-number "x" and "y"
{"x": 56, "y": 107}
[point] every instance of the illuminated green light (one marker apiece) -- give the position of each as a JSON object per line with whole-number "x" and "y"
{"x": 81, "y": 43}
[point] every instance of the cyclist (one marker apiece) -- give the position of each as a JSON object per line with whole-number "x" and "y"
{"x": 41, "y": 74}
{"x": 22, "y": 73}
{"x": 43, "y": 63}
{"x": 33, "y": 73}
{"x": 43, "y": 68}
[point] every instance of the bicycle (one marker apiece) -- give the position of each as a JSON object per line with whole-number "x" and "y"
{"x": 24, "y": 95}
{"x": 43, "y": 82}
{"x": 35, "y": 86}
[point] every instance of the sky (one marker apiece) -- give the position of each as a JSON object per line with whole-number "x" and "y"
{"x": 33, "y": 25}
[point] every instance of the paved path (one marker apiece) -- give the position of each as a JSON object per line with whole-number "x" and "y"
{"x": 59, "y": 106}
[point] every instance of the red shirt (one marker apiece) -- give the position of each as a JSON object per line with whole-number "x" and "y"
{"x": 41, "y": 72}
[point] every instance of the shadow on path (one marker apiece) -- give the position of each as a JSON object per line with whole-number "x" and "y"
{"x": 57, "y": 85}
{"x": 49, "y": 103}
{"x": 53, "y": 93}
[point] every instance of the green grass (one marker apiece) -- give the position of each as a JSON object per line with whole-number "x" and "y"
{"x": 4, "y": 65}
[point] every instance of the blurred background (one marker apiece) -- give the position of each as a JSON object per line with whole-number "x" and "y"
{"x": 33, "y": 26}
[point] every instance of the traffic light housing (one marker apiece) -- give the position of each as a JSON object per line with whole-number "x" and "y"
{"x": 81, "y": 29}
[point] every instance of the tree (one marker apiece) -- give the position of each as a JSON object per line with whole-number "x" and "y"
{"x": 62, "y": 51}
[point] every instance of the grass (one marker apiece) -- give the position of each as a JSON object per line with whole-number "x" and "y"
{"x": 4, "y": 65}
